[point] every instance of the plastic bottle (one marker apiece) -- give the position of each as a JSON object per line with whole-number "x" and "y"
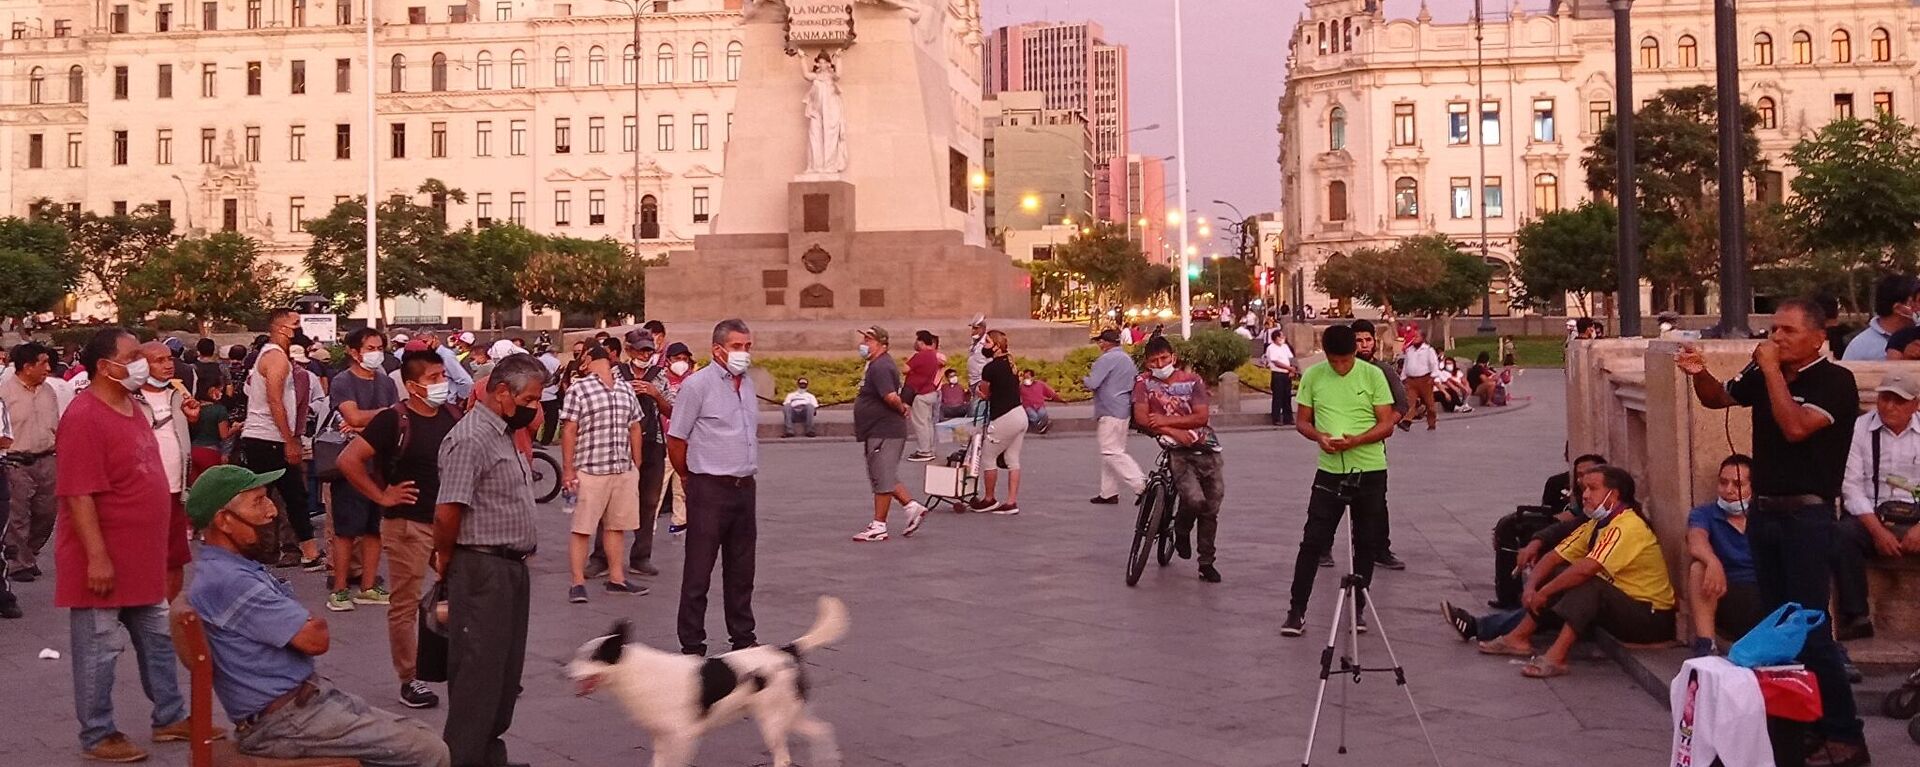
{"x": 567, "y": 500}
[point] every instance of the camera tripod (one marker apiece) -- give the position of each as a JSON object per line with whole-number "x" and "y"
{"x": 1353, "y": 593}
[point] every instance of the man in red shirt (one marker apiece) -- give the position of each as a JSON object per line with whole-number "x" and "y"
{"x": 923, "y": 379}
{"x": 110, "y": 548}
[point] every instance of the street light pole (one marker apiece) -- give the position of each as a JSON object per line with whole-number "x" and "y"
{"x": 1180, "y": 139}
{"x": 1628, "y": 256}
{"x": 1480, "y": 84}
{"x": 634, "y": 225}
{"x": 373, "y": 182}
{"x": 1733, "y": 216}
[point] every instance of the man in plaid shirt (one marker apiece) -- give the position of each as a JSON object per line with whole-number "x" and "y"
{"x": 601, "y": 434}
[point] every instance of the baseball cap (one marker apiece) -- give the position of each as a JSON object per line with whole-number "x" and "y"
{"x": 320, "y": 353}
{"x": 415, "y": 345}
{"x": 875, "y": 332}
{"x": 1109, "y": 335}
{"x": 401, "y": 339}
{"x": 218, "y": 485}
{"x": 1901, "y": 383}
{"x": 676, "y": 349}
{"x": 465, "y": 337}
{"x": 298, "y": 353}
{"x": 503, "y": 349}
{"x": 979, "y": 320}
{"x": 638, "y": 339}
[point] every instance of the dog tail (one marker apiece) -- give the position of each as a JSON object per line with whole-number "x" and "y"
{"x": 827, "y": 629}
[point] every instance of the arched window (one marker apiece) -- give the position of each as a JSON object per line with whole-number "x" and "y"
{"x": 1324, "y": 50}
{"x": 1346, "y": 34}
{"x": 597, "y": 66}
{"x": 483, "y": 71}
{"x": 1336, "y": 201}
{"x": 562, "y": 68}
{"x": 439, "y": 72}
{"x": 1882, "y": 44}
{"x": 1406, "y": 198}
{"x": 663, "y": 64}
{"x": 36, "y": 86}
{"x": 1769, "y": 114}
{"x": 733, "y": 61}
{"x": 1337, "y": 129}
{"x": 698, "y": 69}
{"x": 76, "y": 84}
{"x": 1802, "y": 48}
{"x": 1333, "y": 33}
{"x": 649, "y": 218}
{"x": 1689, "y": 51}
{"x": 517, "y": 69}
{"x": 1763, "y": 49}
{"x": 1546, "y": 193}
{"x": 1649, "y": 53}
{"x": 1842, "y": 48}
{"x": 397, "y": 74}
{"x": 630, "y": 61}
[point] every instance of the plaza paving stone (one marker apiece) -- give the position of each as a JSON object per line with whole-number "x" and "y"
{"x": 989, "y": 640}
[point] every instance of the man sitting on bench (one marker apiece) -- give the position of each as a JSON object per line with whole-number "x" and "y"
{"x": 263, "y": 642}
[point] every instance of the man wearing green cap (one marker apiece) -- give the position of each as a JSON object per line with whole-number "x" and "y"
{"x": 264, "y": 642}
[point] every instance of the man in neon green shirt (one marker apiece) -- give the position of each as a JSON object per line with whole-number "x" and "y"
{"x": 1346, "y": 406}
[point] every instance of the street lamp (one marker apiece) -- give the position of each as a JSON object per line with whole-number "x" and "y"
{"x": 633, "y": 6}
{"x": 1733, "y": 216}
{"x": 373, "y": 174}
{"x": 1480, "y": 84}
{"x": 1628, "y": 256}
{"x": 1180, "y": 142}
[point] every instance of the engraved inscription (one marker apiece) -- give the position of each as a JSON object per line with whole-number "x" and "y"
{"x": 814, "y": 210}
{"x": 873, "y": 297}
{"x": 816, "y": 296}
{"x": 773, "y": 279}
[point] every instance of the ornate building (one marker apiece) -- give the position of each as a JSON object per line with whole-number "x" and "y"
{"x": 251, "y": 115}
{"x": 1382, "y": 122}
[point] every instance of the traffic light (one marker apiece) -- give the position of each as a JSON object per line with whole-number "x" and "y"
{"x": 1193, "y": 271}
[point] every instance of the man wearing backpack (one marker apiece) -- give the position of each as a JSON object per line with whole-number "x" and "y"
{"x": 396, "y": 462}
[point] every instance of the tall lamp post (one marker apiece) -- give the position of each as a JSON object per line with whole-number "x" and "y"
{"x": 1480, "y": 84}
{"x": 634, "y": 8}
{"x": 1180, "y": 138}
{"x": 1627, "y": 258}
{"x": 373, "y": 182}
{"x": 1733, "y": 217}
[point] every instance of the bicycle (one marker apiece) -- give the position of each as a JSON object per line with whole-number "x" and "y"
{"x": 1153, "y": 527}
{"x": 546, "y": 476}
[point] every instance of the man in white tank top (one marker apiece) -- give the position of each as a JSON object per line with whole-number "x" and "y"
{"x": 270, "y": 438}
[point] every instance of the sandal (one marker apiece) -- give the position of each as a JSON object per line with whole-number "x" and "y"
{"x": 1538, "y": 668}
{"x": 1500, "y": 647}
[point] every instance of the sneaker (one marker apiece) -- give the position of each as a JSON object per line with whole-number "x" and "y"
{"x": 1183, "y": 544}
{"x": 1461, "y": 621}
{"x": 622, "y": 587}
{"x": 1105, "y": 500}
{"x": 595, "y": 567}
{"x": 983, "y": 504}
{"x": 116, "y": 748}
{"x": 1295, "y": 625}
{"x": 874, "y": 531}
{"x": 182, "y": 731}
{"x": 314, "y": 565}
{"x": 1208, "y": 574}
{"x": 643, "y": 568}
{"x": 916, "y": 514}
{"x": 1857, "y": 628}
{"x": 920, "y": 456}
{"x": 374, "y": 596}
{"x": 577, "y": 594}
{"x": 1326, "y": 560}
{"x": 1702, "y": 647}
{"x": 416, "y": 694}
{"x": 22, "y": 575}
{"x": 676, "y": 531}
{"x": 1007, "y": 509}
{"x": 340, "y": 601}
{"x": 1389, "y": 561}
{"x": 1854, "y": 675}
{"x": 10, "y": 607}
{"x": 1405, "y": 425}
{"x": 1464, "y": 409}
{"x": 1360, "y": 619}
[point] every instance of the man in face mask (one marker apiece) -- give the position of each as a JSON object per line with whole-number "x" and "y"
{"x": 1367, "y": 347}
{"x": 714, "y": 447}
{"x": 166, "y": 405}
{"x": 1722, "y": 589}
{"x": 679, "y": 364}
{"x": 1893, "y": 301}
{"x": 359, "y": 393}
{"x": 797, "y": 409}
{"x": 1175, "y": 406}
{"x": 270, "y": 435}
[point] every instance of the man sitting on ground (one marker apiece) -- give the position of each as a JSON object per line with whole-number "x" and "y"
{"x": 798, "y": 408}
{"x": 1885, "y": 450}
{"x": 263, "y": 642}
{"x": 1722, "y": 588}
{"x": 1034, "y": 396}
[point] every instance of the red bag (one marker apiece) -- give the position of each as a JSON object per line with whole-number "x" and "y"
{"x": 1790, "y": 692}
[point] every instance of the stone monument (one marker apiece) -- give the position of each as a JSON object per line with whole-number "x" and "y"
{"x": 851, "y": 171}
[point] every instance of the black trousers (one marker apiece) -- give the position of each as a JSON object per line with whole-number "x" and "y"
{"x": 722, "y": 526}
{"x": 260, "y": 457}
{"x": 1793, "y": 558}
{"x": 1852, "y": 547}
{"x": 1282, "y": 398}
{"x": 487, "y": 647}
{"x": 1324, "y": 509}
{"x": 653, "y": 480}
{"x": 1599, "y": 603}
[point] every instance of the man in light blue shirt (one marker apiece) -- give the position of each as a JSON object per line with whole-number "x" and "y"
{"x": 1892, "y": 310}
{"x": 714, "y": 446}
{"x": 1111, "y": 382}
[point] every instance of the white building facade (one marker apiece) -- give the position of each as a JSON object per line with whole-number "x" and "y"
{"x": 1382, "y": 124}
{"x": 251, "y": 115}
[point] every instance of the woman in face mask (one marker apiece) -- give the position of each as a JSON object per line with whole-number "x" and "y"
{"x": 1722, "y": 588}
{"x": 1007, "y": 431}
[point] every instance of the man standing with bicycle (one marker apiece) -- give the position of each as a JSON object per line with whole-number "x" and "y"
{"x": 1172, "y": 404}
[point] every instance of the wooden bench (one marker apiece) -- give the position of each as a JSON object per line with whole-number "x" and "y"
{"x": 190, "y": 642}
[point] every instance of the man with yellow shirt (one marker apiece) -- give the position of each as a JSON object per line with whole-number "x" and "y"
{"x": 1608, "y": 574}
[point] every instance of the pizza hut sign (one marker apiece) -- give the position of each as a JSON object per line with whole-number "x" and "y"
{"x": 819, "y": 23}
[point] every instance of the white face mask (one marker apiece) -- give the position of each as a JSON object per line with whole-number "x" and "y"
{"x": 137, "y": 373}
{"x": 1601, "y": 511}
{"x": 371, "y": 360}
{"x": 679, "y": 367}
{"x": 738, "y": 362}
{"x": 437, "y": 393}
{"x": 1162, "y": 373}
{"x": 157, "y": 383}
{"x": 1733, "y": 508}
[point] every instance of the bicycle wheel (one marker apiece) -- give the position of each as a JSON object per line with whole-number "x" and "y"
{"x": 546, "y": 477}
{"x": 1164, "y": 531}
{"x": 1152, "y": 506}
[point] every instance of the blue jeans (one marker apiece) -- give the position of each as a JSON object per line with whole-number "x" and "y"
{"x": 341, "y": 725}
{"x": 1037, "y": 419}
{"x": 96, "y": 647}
{"x": 798, "y": 415}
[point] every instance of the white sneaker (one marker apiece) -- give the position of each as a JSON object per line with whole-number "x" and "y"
{"x": 876, "y": 531}
{"x": 915, "y": 515}
{"x": 1465, "y": 409}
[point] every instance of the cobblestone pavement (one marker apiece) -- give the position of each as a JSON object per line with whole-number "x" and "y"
{"x": 990, "y": 640}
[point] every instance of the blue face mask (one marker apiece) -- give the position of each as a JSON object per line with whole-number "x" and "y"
{"x": 1733, "y": 508}
{"x": 865, "y": 351}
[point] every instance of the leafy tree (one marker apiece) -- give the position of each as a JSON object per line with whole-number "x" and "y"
{"x": 44, "y": 239}
{"x": 1855, "y": 209}
{"x": 1231, "y": 278}
{"x": 1046, "y": 278}
{"x": 1567, "y": 252}
{"x": 1145, "y": 281}
{"x": 414, "y": 243}
{"x": 585, "y": 276}
{"x": 32, "y": 284}
{"x": 1373, "y": 277}
{"x": 105, "y": 248}
{"x": 1103, "y": 257}
{"x": 482, "y": 265}
{"x": 221, "y": 277}
{"x": 1463, "y": 279}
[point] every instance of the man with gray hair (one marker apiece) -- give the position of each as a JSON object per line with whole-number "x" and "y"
{"x": 714, "y": 446}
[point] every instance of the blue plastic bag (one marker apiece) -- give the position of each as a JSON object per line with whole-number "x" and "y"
{"x": 1777, "y": 639}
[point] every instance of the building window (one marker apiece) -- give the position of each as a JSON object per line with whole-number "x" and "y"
{"x": 343, "y": 141}
{"x": 1769, "y": 115}
{"x": 1406, "y": 198}
{"x": 1802, "y": 48}
{"x": 649, "y": 218}
{"x": 483, "y": 209}
{"x": 1689, "y": 51}
{"x": 417, "y": 14}
{"x": 517, "y": 70}
{"x": 298, "y": 15}
{"x": 117, "y": 22}
{"x": 119, "y": 208}
{"x": 1649, "y": 53}
{"x": 483, "y": 71}
{"x": 1546, "y": 193}
{"x": 1490, "y": 123}
{"x": 562, "y": 208}
{"x": 483, "y": 138}
{"x": 698, "y": 68}
{"x": 165, "y": 209}
{"x": 119, "y": 147}
{"x": 699, "y": 139}
{"x": 36, "y": 150}
{"x": 62, "y": 27}
{"x": 252, "y": 146}
{"x": 1336, "y": 201}
{"x": 629, "y": 133}
{"x": 207, "y": 138}
{"x": 163, "y": 18}
{"x": 74, "y": 154}
{"x": 663, "y": 134}
{"x": 120, "y": 83}
{"x": 596, "y": 134}
{"x": 1763, "y": 49}
{"x": 700, "y": 200}
{"x": 76, "y": 85}
{"x": 596, "y": 66}
{"x": 1336, "y": 129}
{"x": 437, "y": 140}
{"x": 253, "y": 78}
{"x": 163, "y": 147}
{"x": 229, "y": 215}
{"x": 630, "y": 65}
{"x": 342, "y": 13}
{"x": 397, "y": 74}
{"x": 296, "y": 214}
{"x": 1403, "y": 134}
{"x": 1321, "y": 30}
{"x": 297, "y": 81}
{"x": 562, "y": 135}
{"x": 1882, "y": 44}
{"x": 1458, "y": 132}
{"x": 517, "y": 208}
{"x": 517, "y": 138}
{"x": 503, "y": 10}
{"x": 733, "y": 61}
{"x": 209, "y": 81}
{"x": 36, "y": 86}
{"x": 297, "y": 143}
{"x": 1460, "y": 195}
{"x": 163, "y": 82}
{"x": 1842, "y": 47}
{"x": 397, "y": 135}
{"x": 1493, "y": 197}
{"x": 1598, "y": 113}
{"x": 1882, "y": 103}
{"x": 343, "y": 75}
{"x": 1842, "y": 106}
{"x": 596, "y": 207}
{"x": 663, "y": 65}
{"x": 562, "y": 68}
{"x": 209, "y": 16}
{"x": 1543, "y": 120}
{"x": 438, "y": 79}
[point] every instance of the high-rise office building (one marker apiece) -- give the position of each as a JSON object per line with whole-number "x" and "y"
{"x": 1137, "y": 197}
{"x": 1076, "y": 68}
